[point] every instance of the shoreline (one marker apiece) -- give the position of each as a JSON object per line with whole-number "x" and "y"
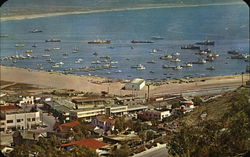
{"x": 97, "y": 84}
{"x": 33, "y": 16}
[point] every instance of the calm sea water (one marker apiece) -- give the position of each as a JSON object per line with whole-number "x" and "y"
{"x": 227, "y": 25}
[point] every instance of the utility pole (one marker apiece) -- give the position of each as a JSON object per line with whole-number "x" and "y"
{"x": 242, "y": 79}
{"x": 148, "y": 91}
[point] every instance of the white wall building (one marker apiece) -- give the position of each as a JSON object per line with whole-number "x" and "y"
{"x": 135, "y": 84}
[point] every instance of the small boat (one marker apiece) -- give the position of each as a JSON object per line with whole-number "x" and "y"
{"x": 19, "y": 45}
{"x": 166, "y": 57}
{"x": 151, "y": 62}
{"x": 157, "y": 38}
{"x": 34, "y": 45}
{"x": 29, "y": 51}
{"x": 105, "y": 57}
{"x": 75, "y": 50}
{"x": 56, "y": 48}
{"x": 190, "y": 47}
{"x": 177, "y": 68}
{"x": 153, "y": 51}
{"x": 47, "y": 49}
{"x": 233, "y": 52}
{"x": 53, "y": 40}
{"x": 3, "y": 35}
{"x": 176, "y": 60}
{"x": 100, "y": 42}
{"x": 201, "y": 53}
{"x": 46, "y": 55}
{"x": 96, "y": 62}
{"x": 114, "y": 62}
{"x": 139, "y": 67}
{"x": 95, "y": 54}
{"x": 206, "y": 42}
{"x": 118, "y": 71}
{"x": 140, "y": 41}
{"x": 176, "y": 54}
{"x": 55, "y": 66}
{"x": 60, "y": 63}
{"x": 188, "y": 65}
{"x": 210, "y": 68}
{"x": 200, "y": 61}
{"x": 78, "y": 60}
{"x": 240, "y": 56}
{"x": 65, "y": 54}
{"x": 167, "y": 66}
{"x": 36, "y": 31}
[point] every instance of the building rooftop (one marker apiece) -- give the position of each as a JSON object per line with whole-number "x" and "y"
{"x": 137, "y": 81}
{"x": 9, "y": 107}
{"x": 105, "y": 119}
{"x": 90, "y": 143}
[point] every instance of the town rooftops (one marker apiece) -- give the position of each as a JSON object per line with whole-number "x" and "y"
{"x": 137, "y": 81}
{"x": 9, "y": 107}
{"x": 136, "y": 107}
{"x": 90, "y": 143}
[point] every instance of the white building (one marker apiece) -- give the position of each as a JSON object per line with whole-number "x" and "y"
{"x": 135, "y": 84}
{"x": 14, "y": 117}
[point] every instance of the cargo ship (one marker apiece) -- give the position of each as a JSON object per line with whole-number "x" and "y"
{"x": 207, "y": 42}
{"x": 190, "y": 47}
{"x": 100, "y": 42}
{"x": 53, "y": 40}
{"x": 138, "y": 41}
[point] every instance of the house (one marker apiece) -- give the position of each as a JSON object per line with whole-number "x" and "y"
{"x": 153, "y": 115}
{"x": 62, "y": 130}
{"x": 135, "y": 84}
{"x": 104, "y": 122}
{"x": 89, "y": 143}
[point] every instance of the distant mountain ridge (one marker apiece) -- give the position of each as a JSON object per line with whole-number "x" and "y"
{"x": 104, "y": 3}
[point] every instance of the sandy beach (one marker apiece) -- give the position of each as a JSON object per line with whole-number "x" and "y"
{"x": 94, "y": 84}
{"x": 39, "y": 15}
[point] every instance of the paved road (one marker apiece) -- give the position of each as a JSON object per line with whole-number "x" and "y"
{"x": 47, "y": 120}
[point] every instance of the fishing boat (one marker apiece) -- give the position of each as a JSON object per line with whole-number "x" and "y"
{"x": 167, "y": 66}
{"x": 78, "y": 61}
{"x": 141, "y": 41}
{"x": 153, "y": 51}
{"x": 176, "y": 54}
{"x": 177, "y": 67}
{"x": 34, "y": 45}
{"x": 190, "y": 47}
{"x": 139, "y": 67}
{"x": 206, "y": 42}
{"x": 53, "y": 40}
{"x": 151, "y": 62}
{"x": 95, "y": 54}
{"x": 188, "y": 65}
{"x": 36, "y": 31}
{"x": 157, "y": 38}
{"x": 200, "y": 61}
{"x": 118, "y": 71}
{"x": 176, "y": 60}
{"x": 166, "y": 57}
{"x": 96, "y": 62}
{"x": 100, "y": 42}
{"x": 233, "y": 52}
{"x": 75, "y": 50}
{"x": 201, "y": 53}
{"x": 46, "y": 55}
{"x": 114, "y": 62}
{"x": 19, "y": 45}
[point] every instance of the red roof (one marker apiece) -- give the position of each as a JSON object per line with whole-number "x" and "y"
{"x": 90, "y": 143}
{"x": 70, "y": 124}
{"x": 9, "y": 107}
